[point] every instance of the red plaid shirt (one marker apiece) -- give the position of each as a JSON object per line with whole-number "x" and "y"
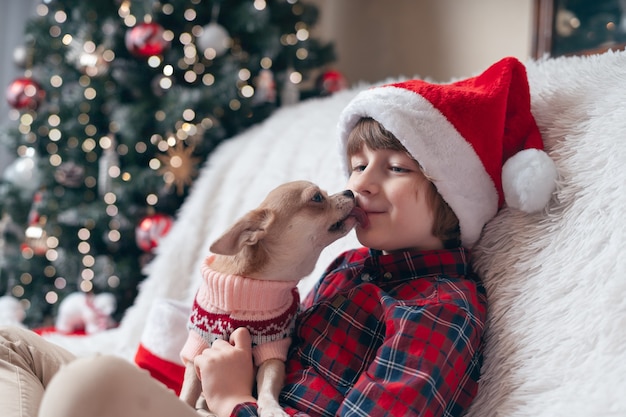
{"x": 394, "y": 335}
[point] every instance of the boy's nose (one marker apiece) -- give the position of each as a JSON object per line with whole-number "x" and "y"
{"x": 365, "y": 183}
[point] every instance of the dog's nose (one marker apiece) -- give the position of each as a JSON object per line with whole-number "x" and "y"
{"x": 348, "y": 193}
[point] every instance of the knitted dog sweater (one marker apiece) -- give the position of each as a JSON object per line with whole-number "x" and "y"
{"x": 225, "y": 302}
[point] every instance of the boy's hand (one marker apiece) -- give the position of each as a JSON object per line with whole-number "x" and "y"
{"x": 227, "y": 373}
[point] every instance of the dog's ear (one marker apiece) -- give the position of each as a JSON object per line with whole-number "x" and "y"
{"x": 247, "y": 231}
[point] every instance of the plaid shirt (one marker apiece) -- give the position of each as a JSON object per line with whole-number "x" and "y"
{"x": 397, "y": 335}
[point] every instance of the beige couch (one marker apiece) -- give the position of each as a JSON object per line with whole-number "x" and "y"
{"x": 556, "y": 338}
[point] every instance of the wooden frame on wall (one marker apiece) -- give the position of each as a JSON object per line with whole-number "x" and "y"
{"x": 544, "y": 18}
{"x": 602, "y": 27}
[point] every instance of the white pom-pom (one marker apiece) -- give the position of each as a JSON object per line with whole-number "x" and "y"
{"x": 528, "y": 180}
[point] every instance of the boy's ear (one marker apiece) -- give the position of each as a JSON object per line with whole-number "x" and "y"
{"x": 247, "y": 231}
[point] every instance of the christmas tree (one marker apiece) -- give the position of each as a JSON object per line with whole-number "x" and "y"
{"x": 120, "y": 103}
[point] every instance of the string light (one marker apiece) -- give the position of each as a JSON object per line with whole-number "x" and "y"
{"x": 152, "y": 199}
{"x": 154, "y": 61}
{"x": 60, "y": 16}
{"x": 60, "y": 283}
{"x": 55, "y": 159}
{"x": 295, "y": 77}
{"x": 42, "y": 10}
{"x": 52, "y": 255}
{"x": 51, "y": 297}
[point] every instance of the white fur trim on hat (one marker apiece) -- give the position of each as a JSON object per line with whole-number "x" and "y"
{"x": 166, "y": 329}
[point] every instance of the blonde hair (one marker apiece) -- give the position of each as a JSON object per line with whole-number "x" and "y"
{"x": 368, "y": 132}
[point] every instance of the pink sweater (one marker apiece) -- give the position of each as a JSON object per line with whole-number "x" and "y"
{"x": 225, "y": 302}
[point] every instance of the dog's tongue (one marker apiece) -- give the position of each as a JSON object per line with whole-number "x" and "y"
{"x": 360, "y": 217}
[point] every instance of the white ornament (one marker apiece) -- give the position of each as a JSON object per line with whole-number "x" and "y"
{"x": 214, "y": 36}
{"x": 20, "y": 56}
{"x": 24, "y": 173}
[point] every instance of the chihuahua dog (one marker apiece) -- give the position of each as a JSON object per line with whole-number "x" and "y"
{"x": 251, "y": 277}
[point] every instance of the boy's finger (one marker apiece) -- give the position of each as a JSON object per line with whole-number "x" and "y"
{"x": 241, "y": 338}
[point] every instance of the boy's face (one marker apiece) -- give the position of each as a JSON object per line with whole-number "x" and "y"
{"x": 391, "y": 189}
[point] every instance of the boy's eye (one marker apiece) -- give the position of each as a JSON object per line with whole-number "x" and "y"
{"x": 358, "y": 168}
{"x": 317, "y": 197}
{"x": 398, "y": 169}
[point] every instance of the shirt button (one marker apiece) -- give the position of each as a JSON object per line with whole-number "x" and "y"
{"x": 366, "y": 277}
{"x": 387, "y": 275}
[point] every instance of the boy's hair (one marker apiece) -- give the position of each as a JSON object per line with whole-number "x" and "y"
{"x": 369, "y": 132}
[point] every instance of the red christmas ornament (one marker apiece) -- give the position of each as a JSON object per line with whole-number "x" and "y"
{"x": 151, "y": 229}
{"x": 330, "y": 82}
{"x": 25, "y": 93}
{"x": 146, "y": 39}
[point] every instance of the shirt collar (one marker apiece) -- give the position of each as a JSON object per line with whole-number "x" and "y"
{"x": 409, "y": 264}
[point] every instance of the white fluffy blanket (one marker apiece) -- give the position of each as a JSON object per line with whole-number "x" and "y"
{"x": 556, "y": 340}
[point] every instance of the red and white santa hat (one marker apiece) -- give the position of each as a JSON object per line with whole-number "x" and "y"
{"x": 476, "y": 139}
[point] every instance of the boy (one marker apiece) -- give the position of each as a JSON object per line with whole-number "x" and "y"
{"x": 394, "y": 328}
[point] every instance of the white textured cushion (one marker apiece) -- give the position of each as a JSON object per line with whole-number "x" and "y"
{"x": 556, "y": 281}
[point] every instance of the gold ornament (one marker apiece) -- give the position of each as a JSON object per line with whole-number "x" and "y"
{"x": 179, "y": 166}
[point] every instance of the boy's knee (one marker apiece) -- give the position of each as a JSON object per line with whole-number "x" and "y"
{"x": 85, "y": 386}
{"x": 97, "y": 374}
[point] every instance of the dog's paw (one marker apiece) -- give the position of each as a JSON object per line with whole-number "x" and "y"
{"x": 272, "y": 411}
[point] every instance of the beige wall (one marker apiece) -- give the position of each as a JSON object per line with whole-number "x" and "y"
{"x": 436, "y": 39}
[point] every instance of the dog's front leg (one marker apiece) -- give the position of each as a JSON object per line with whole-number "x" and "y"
{"x": 270, "y": 379}
{"x": 192, "y": 388}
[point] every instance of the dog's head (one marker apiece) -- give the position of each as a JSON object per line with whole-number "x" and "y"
{"x": 283, "y": 238}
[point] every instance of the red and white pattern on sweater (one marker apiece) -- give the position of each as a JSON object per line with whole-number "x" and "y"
{"x": 213, "y": 326}
{"x": 225, "y": 302}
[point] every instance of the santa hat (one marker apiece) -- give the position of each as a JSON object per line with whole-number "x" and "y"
{"x": 476, "y": 139}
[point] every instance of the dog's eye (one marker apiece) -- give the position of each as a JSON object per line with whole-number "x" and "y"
{"x": 317, "y": 197}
